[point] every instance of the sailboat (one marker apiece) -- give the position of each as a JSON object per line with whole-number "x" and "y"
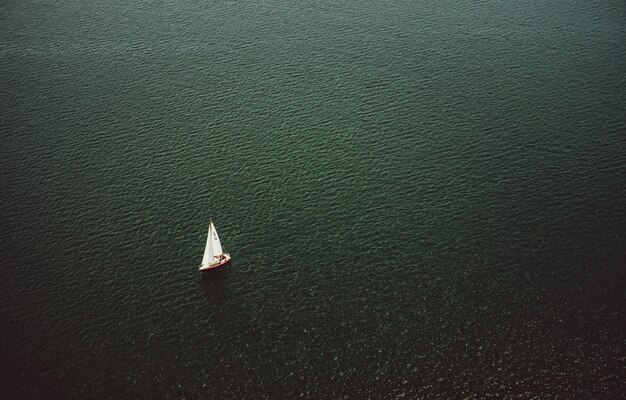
{"x": 214, "y": 257}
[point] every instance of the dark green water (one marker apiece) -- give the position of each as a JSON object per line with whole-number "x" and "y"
{"x": 422, "y": 199}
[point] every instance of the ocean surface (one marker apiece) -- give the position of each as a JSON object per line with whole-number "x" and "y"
{"x": 423, "y": 199}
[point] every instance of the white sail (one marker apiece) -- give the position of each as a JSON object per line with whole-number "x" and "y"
{"x": 213, "y": 246}
{"x": 217, "y": 246}
{"x": 214, "y": 256}
{"x": 208, "y": 250}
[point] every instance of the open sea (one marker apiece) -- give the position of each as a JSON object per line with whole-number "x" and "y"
{"x": 423, "y": 199}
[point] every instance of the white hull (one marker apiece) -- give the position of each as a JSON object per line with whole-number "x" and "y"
{"x": 216, "y": 264}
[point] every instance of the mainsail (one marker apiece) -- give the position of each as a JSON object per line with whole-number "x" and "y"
{"x": 213, "y": 246}
{"x": 217, "y": 246}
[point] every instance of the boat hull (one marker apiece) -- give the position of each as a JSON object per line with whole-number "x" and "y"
{"x": 211, "y": 267}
